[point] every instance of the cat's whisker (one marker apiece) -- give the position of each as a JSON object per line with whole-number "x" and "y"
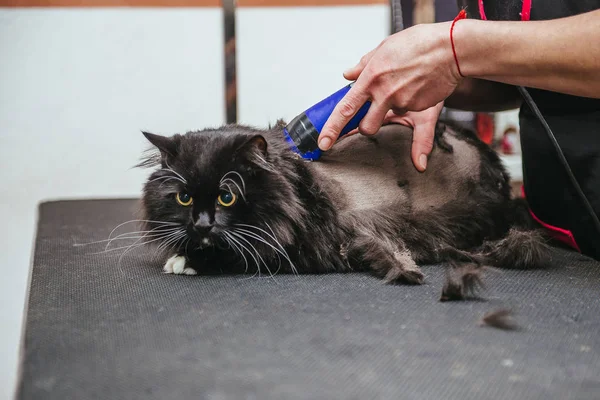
{"x": 255, "y": 236}
{"x": 227, "y": 186}
{"x": 232, "y": 243}
{"x": 176, "y": 246}
{"x": 226, "y": 178}
{"x": 140, "y": 220}
{"x": 173, "y": 171}
{"x": 243, "y": 247}
{"x": 187, "y": 242}
{"x": 174, "y": 177}
{"x": 158, "y": 236}
{"x": 123, "y": 236}
{"x": 126, "y": 247}
{"x": 165, "y": 179}
{"x": 106, "y": 240}
{"x": 238, "y": 175}
{"x": 134, "y": 245}
{"x": 274, "y": 237}
{"x": 256, "y": 252}
{"x": 175, "y": 236}
{"x": 262, "y": 240}
{"x": 227, "y": 242}
{"x": 241, "y": 237}
{"x": 279, "y": 249}
{"x": 151, "y": 233}
{"x": 172, "y": 244}
{"x": 163, "y": 228}
{"x": 236, "y": 185}
{"x": 163, "y": 244}
{"x": 131, "y": 248}
{"x": 162, "y": 177}
{"x": 266, "y": 166}
{"x": 166, "y": 240}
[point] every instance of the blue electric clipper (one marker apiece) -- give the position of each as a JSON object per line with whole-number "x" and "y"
{"x": 302, "y": 132}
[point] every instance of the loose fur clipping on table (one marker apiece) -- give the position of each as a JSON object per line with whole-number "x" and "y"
{"x": 462, "y": 282}
{"x": 501, "y": 319}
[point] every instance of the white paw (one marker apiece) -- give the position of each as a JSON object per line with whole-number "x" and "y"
{"x": 177, "y": 265}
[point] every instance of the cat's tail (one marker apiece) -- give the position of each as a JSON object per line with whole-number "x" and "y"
{"x": 519, "y": 249}
{"x": 524, "y": 246}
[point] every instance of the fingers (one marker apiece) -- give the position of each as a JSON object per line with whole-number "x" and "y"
{"x": 398, "y": 111}
{"x": 353, "y": 73}
{"x": 392, "y": 117}
{"x": 371, "y": 123}
{"x": 422, "y": 145}
{"x": 343, "y": 112}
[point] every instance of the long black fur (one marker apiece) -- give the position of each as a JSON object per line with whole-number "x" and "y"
{"x": 287, "y": 218}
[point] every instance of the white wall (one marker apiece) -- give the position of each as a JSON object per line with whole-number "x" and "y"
{"x": 291, "y": 58}
{"x": 76, "y": 87}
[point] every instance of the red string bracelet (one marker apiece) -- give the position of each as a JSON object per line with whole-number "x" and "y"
{"x": 461, "y": 15}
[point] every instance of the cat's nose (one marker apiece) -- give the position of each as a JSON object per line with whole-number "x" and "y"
{"x": 202, "y": 229}
{"x": 203, "y": 224}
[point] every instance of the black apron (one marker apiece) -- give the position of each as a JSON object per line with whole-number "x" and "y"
{"x": 575, "y": 122}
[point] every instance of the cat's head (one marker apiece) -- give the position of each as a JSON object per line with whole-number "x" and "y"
{"x": 218, "y": 188}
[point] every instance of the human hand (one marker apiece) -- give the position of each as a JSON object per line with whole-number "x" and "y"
{"x": 423, "y": 124}
{"x": 412, "y": 70}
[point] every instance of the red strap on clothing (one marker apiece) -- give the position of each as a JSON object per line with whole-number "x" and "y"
{"x": 560, "y": 234}
{"x": 461, "y": 15}
{"x": 482, "y": 11}
{"x": 525, "y": 10}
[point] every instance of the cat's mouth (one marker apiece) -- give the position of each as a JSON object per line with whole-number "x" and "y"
{"x": 201, "y": 240}
{"x": 204, "y": 242}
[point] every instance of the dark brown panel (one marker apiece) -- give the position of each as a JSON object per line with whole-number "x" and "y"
{"x": 110, "y": 3}
{"x": 183, "y": 3}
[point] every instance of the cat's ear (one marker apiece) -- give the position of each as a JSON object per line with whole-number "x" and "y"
{"x": 166, "y": 145}
{"x": 254, "y": 150}
{"x": 257, "y": 144}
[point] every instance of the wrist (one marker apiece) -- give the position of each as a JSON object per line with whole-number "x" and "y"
{"x": 461, "y": 37}
{"x": 484, "y": 49}
{"x": 444, "y": 50}
{"x": 461, "y": 15}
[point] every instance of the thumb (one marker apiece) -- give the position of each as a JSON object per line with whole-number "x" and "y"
{"x": 422, "y": 144}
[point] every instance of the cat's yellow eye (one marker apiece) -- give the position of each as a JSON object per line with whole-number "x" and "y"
{"x": 184, "y": 199}
{"x": 227, "y": 199}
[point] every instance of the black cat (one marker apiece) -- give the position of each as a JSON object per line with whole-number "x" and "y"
{"x": 237, "y": 200}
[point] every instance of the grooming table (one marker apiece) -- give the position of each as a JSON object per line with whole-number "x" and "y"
{"x": 99, "y": 329}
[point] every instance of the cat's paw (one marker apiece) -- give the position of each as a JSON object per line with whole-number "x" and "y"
{"x": 405, "y": 270}
{"x": 178, "y": 265}
{"x": 411, "y": 277}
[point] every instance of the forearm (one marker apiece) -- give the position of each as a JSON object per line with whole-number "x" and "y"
{"x": 483, "y": 96}
{"x": 561, "y": 55}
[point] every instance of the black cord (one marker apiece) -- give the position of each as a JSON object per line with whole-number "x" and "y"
{"x": 561, "y": 156}
{"x": 397, "y": 23}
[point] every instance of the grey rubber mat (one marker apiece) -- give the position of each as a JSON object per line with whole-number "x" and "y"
{"x": 97, "y": 329}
